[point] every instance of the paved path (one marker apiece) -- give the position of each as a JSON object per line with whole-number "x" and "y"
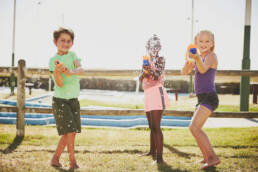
{"x": 231, "y": 122}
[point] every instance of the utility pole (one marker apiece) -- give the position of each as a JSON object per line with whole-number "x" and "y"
{"x": 12, "y": 77}
{"x": 245, "y": 80}
{"x": 190, "y": 90}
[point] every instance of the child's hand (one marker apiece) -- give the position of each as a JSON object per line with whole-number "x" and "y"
{"x": 146, "y": 75}
{"x": 143, "y": 75}
{"x": 191, "y": 65}
{"x": 193, "y": 56}
{"x": 146, "y": 67}
{"x": 59, "y": 67}
{"x": 68, "y": 72}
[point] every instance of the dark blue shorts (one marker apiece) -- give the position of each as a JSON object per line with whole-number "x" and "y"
{"x": 209, "y": 100}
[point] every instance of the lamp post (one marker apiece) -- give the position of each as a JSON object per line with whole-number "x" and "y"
{"x": 245, "y": 80}
{"x": 190, "y": 89}
{"x": 12, "y": 77}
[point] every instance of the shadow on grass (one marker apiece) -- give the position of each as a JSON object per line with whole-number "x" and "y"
{"x": 189, "y": 155}
{"x": 226, "y": 146}
{"x": 164, "y": 167}
{"x": 16, "y": 142}
{"x": 126, "y": 151}
{"x": 242, "y": 156}
{"x": 60, "y": 169}
{"x": 236, "y": 146}
{"x": 211, "y": 169}
{"x": 135, "y": 151}
{"x": 179, "y": 153}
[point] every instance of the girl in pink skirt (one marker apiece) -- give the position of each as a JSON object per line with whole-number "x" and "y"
{"x": 155, "y": 96}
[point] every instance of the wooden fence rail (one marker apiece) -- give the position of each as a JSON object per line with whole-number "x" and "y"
{"x": 22, "y": 73}
{"x": 134, "y": 112}
{"x": 44, "y": 73}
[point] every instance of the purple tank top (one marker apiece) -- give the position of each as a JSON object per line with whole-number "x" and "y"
{"x": 204, "y": 83}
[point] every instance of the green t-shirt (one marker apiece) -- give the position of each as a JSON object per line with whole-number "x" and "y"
{"x": 71, "y": 84}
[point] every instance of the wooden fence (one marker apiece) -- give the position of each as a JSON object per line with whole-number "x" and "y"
{"x": 22, "y": 73}
{"x": 44, "y": 73}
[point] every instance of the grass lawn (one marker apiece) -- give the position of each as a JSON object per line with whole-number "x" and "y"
{"x": 174, "y": 106}
{"x": 118, "y": 149}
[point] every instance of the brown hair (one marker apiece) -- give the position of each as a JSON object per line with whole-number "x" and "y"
{"x": 211, "y": 37}
{"x": 61, "y": 30}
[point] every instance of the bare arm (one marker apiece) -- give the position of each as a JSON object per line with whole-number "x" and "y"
{"x": 143, "y": 75}
{"x": 187, "y": 69}
{"x": 77, "y": 71}
{"x": 160, "y": 66}
{"x": 57, "y": 75}
{"x": 188, "y": 66}
{"x": 210, "y": 62}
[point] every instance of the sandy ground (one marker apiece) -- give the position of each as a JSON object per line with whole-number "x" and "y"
{"x": 230, "y": 122}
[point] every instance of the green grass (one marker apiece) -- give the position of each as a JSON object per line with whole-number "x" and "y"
{"x": 230, "y": 108}
{"x": 118, "y": 149}
{"x": 221, "y": 108}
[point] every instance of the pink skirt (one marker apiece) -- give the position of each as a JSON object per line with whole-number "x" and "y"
{"x": 155, "y": 98}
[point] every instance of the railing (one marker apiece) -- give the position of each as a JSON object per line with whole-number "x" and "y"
{"x": 22, "y": 73}
{"x": 44, "y": 73}
{"x": 134, "y": 112}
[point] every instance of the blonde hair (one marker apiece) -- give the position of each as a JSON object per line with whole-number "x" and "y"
{"x": 211, "y": 37}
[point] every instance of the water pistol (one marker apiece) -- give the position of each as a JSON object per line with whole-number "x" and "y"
{"x": 192, "y": 48}
{"x": 58, "y": 63}
{"x": 146, "y": 62}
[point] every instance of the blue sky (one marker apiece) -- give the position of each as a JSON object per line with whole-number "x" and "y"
{"x": 111, "y": 34}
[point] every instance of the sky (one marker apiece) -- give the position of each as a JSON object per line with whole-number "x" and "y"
{"x": 111, "y": 34}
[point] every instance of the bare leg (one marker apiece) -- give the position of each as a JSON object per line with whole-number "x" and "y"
{"x": 70, "y": 147}
{"x": 199, "y": 118}
{"x": 153, "y": 148}
{"x": 59, "y": 150}
{"x": 205, "y": 157}
{"x": 152, "y": 141}
{"x": 199, "y": 144}
{"x": 156, "y": 116}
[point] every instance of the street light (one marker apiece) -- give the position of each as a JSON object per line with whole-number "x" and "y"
{"x": 12, "y": 77}
{"x": 190, "y": 90}
{"x": 245, "y": 80}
